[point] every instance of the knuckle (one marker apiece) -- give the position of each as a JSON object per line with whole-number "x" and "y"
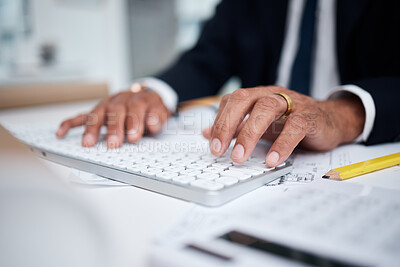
{"x": 298, "y": 123}
{"x": 239, "y": 94}
{"x": 254, "y": 126}
{"x": 268, "y": 104}
{"x": 284, "y": 145}
{"x": 115, "y": 106}
{"x": 248, "y": 133}
{"x": 225, "y": 98}
{"x": 221, "y": 127}
{"x": 133, "y": 118}
{"x": 93, "y": 119}
{"x": 137, "y": 102}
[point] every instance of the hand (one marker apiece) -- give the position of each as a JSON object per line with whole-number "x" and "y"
{"x": 125, "y": 112}
{"x": 315, "y": 125}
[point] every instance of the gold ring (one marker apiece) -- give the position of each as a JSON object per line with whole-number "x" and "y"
{"x": 289, "y": 105}
{"x": 137, "y": 87}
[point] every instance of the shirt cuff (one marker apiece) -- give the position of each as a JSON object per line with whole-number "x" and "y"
{"x": 167, "y": 94}
{"x": 368, "y": 103}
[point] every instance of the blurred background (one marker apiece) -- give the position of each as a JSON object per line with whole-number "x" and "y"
{"x": 107, "y": 42}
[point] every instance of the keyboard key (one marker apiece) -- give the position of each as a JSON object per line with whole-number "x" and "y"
{"x": 209, "y": 157}
{"x": 224, "y": 160}
{"x": 196, "y": 166}
{"x": 160, "y": 165}
{"x": 227, "y": 181}
{"x": 236, "y": 174}
{"x": 173, "y": 168}
{"x": 181, "y": 163}
{"x": 247, "y": 170}
{"x": 213, "y": 169}
{"x": 182, "y": 179}
{"x": 136, "y": 167}
{"x": 208, "y": 185}
{"x": 151, "y": 171}
{"x": 208, "y": 176}
{"x": 190, "y": 172}
{"x": 166, "y": 175}
{"x": 143, "y": 161}
{"x": 207, "y": 162}
{"x": 257, "y": 166}
{"x": 193, "y": 157}
{"x": 222, "y": 165}
{"x": 121, "y": 164}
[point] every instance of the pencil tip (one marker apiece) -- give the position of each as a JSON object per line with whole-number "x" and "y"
{"x": 326, "y": 176}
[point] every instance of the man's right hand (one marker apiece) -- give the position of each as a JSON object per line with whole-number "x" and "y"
{"x": 124, "y": 113}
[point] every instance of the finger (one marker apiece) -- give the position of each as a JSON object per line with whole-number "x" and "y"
{"x": 93, "y": 124}
{"x": 273, "y": 131}
{"x": 135, "y": 119}
{"x": 293, "y": 132}
{"x": 155, "y": 118}
{"x": 225, "y": 125}
{"x": 116, "y": 114}
{"x": 207, "y": 131}
{"x": 265, "y": 111}
{"x": 222, "y": 104}
{"x": 237, "y": 107}
{"x": 66, "y": 125}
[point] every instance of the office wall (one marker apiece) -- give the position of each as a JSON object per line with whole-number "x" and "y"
{"x": 106, "y": 40}
{"x": 90, "y": 39}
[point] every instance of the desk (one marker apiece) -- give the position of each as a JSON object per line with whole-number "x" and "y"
{"x": 136, "y": 214}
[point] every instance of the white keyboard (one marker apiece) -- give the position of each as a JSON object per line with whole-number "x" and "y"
{"x": 178, "y": 165}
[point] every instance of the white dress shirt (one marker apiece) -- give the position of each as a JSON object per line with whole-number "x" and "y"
{"x": 325, "y": 75}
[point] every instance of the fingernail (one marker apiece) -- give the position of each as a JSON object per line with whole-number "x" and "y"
{"x": 238, "y": 152}
{"x": 153, "y": 120}
{"x": 132, "y": 133}
{"x": 59, "y": 131}
{"x": 272, "y": 159}
{"x": 88, "y": 140}
{"x": 216, "y": 145}
{"x": 112, "y": 141}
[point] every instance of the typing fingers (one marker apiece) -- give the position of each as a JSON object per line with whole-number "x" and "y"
{"x": 294, "y": 130}
{"x": 93, "y": 124}
{"x": 207, "y": 131}
{"x": 66, "y": 125}
{"x": 156, "y": 117}
{"x": 230, "y": 116}
{"x": 135, "y": 119}
{"x": 116, "y": 115}
{"x": 266, "y": 110}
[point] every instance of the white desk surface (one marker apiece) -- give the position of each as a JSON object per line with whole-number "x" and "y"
{"x": 137, "y": 214}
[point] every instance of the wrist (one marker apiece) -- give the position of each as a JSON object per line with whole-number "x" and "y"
{"x": 349, "y": 117}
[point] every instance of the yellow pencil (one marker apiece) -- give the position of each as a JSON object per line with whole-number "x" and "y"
{"x": 360, "y": 168}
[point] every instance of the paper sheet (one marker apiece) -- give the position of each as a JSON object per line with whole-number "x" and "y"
{"x": 308, "y": 166}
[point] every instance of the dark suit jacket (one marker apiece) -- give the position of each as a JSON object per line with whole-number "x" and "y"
{"x": 245, "y": 39}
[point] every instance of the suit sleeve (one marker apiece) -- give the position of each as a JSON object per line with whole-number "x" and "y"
{"x": 386, "y": 94}
{"x": 203, "y": 70}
